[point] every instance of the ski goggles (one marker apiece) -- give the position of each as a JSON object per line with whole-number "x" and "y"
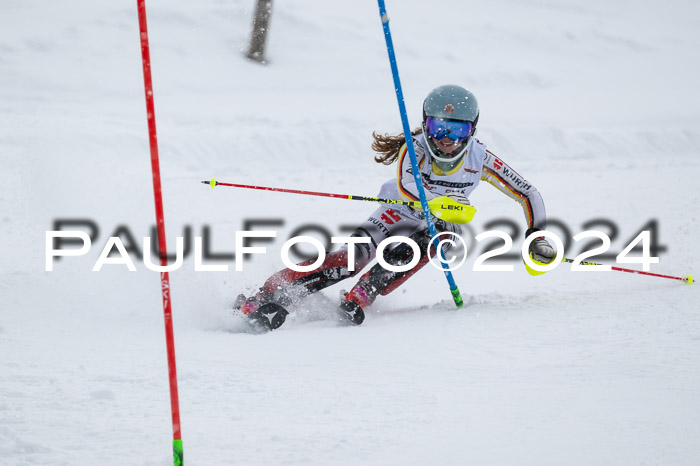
{"x": 455, "y": 130}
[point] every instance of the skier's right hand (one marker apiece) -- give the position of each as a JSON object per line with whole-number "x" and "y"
{"x": 458, "y": 197}
{"x": 454, "y": 207}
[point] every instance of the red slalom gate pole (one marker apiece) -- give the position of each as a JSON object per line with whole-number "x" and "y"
{"x": 162, "y": 249}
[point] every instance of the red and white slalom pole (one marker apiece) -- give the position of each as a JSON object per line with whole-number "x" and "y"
{"x": 160, "y": 222}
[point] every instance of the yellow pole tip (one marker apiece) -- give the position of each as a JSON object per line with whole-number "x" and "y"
{"x": 688, "y": 279}
{"x": 212, "y": 183}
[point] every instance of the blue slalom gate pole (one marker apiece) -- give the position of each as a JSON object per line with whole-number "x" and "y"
{"x": 412, "y": 153}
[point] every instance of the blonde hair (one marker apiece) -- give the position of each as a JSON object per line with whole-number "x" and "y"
{"x": 388, "y": 146}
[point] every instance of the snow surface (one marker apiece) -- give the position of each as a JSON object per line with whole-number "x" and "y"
{"x": 596, "y": 103}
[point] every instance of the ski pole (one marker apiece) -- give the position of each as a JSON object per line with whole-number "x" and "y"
{"x": 444, "y": 207}
{"x": 456, "y": 295}
{"x": 213, "y": 183}
{"x": 688, "y": 279}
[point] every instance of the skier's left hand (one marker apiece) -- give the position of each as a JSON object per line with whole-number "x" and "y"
{"x": 541, "y": 252}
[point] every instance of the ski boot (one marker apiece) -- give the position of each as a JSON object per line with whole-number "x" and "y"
{"x": 353, "y": 302}
{"x": 263, "y": 316}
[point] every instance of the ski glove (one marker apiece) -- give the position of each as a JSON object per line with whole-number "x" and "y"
{"x": 453, "y": 207}
{"x": 458, "y": 197}
{"x": 540, "y": 251}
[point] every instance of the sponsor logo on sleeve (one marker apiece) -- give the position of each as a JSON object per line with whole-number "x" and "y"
{"x": 516, "y": 179}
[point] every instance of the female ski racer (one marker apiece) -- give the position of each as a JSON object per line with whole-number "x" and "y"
{"x": 452, "y": 163}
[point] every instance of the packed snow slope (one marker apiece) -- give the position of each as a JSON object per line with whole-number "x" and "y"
{"x": 595, "y": 103}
